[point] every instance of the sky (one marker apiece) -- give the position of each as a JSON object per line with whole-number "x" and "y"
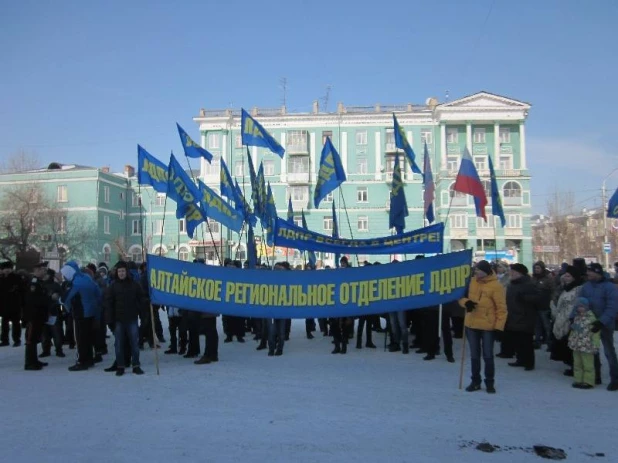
{"x": 84, "y": 82}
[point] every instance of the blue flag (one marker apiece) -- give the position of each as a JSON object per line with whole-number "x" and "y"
{"x": 310, "y": 254}
{"x": 290, "y": 216}
{"x": 496, "y": 201}
{"x": 335, "y": 232}
{"x": 251, "y": 248}
{"x": 331, "y": 173}
{"x": 244, "y": 207}
{"x": 270, "y": 216}
{"x": 181, "y": 188}
{"x": 192, "y": 149}
{"x": 399, "y": 207}
{"x": 401, "y": 142}
{"x": 612, "y": 206}
{"x": 255, "y": 192}
{"x": 429, "y": 187}
{"x": 215, "y": 207}
{"x": 151, "y": 171}
{"x": 260, "y": 207}
{"x": 193, "y": 217}
{"x": 253, "y": 134}
{"x": 227, "y": 186}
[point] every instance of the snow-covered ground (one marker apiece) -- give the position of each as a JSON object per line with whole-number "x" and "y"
{"x": 306, "y": 406}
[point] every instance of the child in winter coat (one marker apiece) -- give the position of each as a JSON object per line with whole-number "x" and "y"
{"x": 584, "y": 343}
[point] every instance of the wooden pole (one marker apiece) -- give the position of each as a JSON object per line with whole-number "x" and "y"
{"x": 154, "y": 339}
{"x": 463, "y": 358}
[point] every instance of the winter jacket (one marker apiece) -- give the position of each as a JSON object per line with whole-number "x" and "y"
{"x": 522, "y": 297}
{"x": 490, "y": 311}
{"x": 545, "y": 284}
{"x": 124, "y": 299}
{"x": 12, "y": 292}
{"x": 562, "y": 309}
{"x": 581, "y": 338}
{"x": 603, "y": 297}
{"x": 84, "y": 297}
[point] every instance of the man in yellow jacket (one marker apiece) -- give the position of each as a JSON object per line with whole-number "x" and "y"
{"x": 485, "y": 313}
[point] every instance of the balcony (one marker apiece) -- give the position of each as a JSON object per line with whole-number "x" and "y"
{"x": 509, "y": 173}
{"x": 459, "y": 233}
{"x": 299, "y": 149}
{"x": 297, "y": 143}
{"x": 391, "y": 148}
{"x": 300, "y": 204}
{"x": 301, "y": 178}
{"x": 513, "y": 232}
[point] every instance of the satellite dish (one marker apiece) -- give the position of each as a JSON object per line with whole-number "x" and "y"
{"x": 431, "y": 102}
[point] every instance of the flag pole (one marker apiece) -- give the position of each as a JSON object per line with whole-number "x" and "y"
{"x": 207, "y": 223}
{"x": 141, "y": 218}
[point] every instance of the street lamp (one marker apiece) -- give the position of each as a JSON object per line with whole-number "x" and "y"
{"x": 604, "y": 193}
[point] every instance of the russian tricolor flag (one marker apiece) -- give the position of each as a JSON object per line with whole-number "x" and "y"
{"x": 468, "y": 182}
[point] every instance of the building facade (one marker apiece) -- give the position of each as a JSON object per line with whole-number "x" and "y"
{"x": 487, "y": 124}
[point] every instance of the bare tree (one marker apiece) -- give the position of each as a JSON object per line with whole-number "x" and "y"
{"x": 20, "y": 161}
{"x": 29, "y": 219}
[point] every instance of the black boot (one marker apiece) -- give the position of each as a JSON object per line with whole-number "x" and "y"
{"x": 344, "y": 348}
{"x": 113, "y": 368}
{"x": 473, "y": 387}
{"x": 489, "y": 387}
{"x": 337, "y": 349}
{"x": 359, "y": 343}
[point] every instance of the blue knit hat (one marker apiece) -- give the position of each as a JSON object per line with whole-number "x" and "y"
{"x": 582, "y": 302}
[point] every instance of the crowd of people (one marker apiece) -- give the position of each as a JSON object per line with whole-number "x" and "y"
{"x": 572, "y": 312}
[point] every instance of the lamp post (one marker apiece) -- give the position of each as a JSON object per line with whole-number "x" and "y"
{"x": 604, "y": 194}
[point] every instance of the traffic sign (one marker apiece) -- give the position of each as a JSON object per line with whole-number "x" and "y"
{"x": 607, "y": 248}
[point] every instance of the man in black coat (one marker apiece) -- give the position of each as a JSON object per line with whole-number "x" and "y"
{"x": 52, "y": 330}
{"x": 36, "y": 308}
{"x": 124, "y": 299}
{"x": 522, "y": 297}
{"x": 11, "y": 302}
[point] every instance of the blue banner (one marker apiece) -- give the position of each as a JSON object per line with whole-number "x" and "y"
{"x": 253, "y": 134}
{"x": 331, "y": 173}
{"x": 151, "y": 171}
{"x": 181, "y": 188}
{"x": 426, "y": 240}
{"x": 215, "y": 207}
{"x": 299, "y": 294}
{"x": 192, "y": 149}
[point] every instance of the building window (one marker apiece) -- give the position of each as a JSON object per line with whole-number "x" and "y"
{"x": 298, "y": 165}
{"x": 62, "y": 224}
{"x": 458, "y": 221}
{"x": 390, "y": 140}
{"x": 158, "y": 227}
{"x": 505, "y": 135}
{"x": 269, "y": 168}
{"x": 32, "y": 225}
{"x": 513, "y": 220}
{"x": 505, "y": 162}
{"x": 136, "y": 200}
{"x": 362, "y": 165}
{"x": 328, "y": 223}
{"x": 452, "y": 135}
{"x": 297, "y": 141}
{"x": 298, "y": 220}
{"x": 238, "y": 140}
{"x": 487, "y": 189}
{"x": 107, "y": 254}
{"x": 327, "y": 133}
{"x": 363, "y": 224}
{"x": 160, "y": 199}
{"x": 512, "y": 194}
{"x": 106, "y": 224}
{"x": 106, "y": 194}
{"x": 214, "y": 168}
{"x": 479, "y": 135}
{"x": 480, "y": 162}
{"x": 299, "y": 193}
{"x": 361, "y": 137}
{"x": 136, "y": 254}
{"x": 213, "y": 225}
{"x": 62, "y": 194}
{"x": 182, "y": 225}
{"x": 136, "y": 227}
{"x": 457, "y": 197}
{"x": 328, "y": 198}
{"x": 183, "y": 254}
{"x": 362, "y": 195}
{"x": 452, "y": 163}
{"x": 239, "y": 169}
{"x": 213, "y": 141}
{"x": 426, "y": 137}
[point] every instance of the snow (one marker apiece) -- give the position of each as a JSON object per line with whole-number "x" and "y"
{"x": 305, "y": 406}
